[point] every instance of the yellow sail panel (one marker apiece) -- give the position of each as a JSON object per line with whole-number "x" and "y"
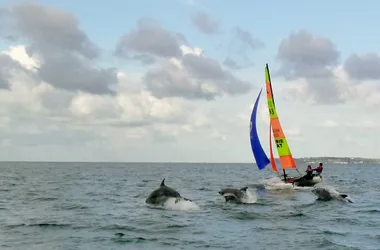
{"x": 286, "y": 158}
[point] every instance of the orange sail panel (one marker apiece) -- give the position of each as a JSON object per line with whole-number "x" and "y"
{"x": 272, "y": 161}
{"x": 286, "y": 158}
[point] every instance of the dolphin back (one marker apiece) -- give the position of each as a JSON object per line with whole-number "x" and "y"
{"x": 161, "y": 194}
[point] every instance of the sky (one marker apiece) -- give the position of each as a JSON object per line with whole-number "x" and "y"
{"x": 175, "y": 80}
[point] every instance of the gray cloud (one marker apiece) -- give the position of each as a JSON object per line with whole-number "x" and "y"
{"x": 247, "y": 39}
{"x": 201, "y": 77}
{"x": 304, "y": 55}
{"x": 149, "y": 38}
{"x": 363, "y": 67}
{"x": 72, "y": 73}
{"x": 192, "y": 81}
{"x": 240, "y": 49}
{"x": 234, "y": 65}
{"x": 67, "y": 54}
{"x": 203, "y": 67}
{"x": 145, "y": 59}
{"x": 52, "y": 29}
{"x": 6, "y": 68}
{"x": 231, "y": 64}
{"x": 204, "y": 23}
{"x": 181, "y": 38}
{"x": 3, "y": 13}
{"x": 169, "y": 81}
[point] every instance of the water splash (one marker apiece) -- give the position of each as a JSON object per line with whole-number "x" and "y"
{"x": 181, "y": 204}
{"x": 275, "y": 183}
{"x": 249, "y": 198}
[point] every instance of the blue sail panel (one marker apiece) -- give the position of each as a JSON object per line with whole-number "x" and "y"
{"x": 261, "y": 158}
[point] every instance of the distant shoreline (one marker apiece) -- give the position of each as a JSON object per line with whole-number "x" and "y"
{"x": 324, "y": 159}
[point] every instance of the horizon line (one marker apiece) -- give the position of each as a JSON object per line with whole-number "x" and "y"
{"x": 253, "y": 162}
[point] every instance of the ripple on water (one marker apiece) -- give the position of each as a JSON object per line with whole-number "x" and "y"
{"x": 101, "y": 206}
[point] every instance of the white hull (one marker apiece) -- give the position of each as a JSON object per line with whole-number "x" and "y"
{"x": 312, "y": 182}
{"x": 316, "y": 179}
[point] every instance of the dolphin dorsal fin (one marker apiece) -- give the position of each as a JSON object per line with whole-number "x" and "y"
{"x": 244, "y": 189}
{"x": 162, "y": 183}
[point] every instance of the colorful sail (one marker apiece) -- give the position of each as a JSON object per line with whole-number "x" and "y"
{"x": 261, "y": 158}
{"x": 272, "y": 160}
{"x": 286, "y": 158}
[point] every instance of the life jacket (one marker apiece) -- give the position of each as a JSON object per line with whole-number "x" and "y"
{"x": 319, "y": 169}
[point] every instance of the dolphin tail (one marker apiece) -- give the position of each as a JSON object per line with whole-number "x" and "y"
{"x": 343, "y": 196}
{"x": 162, "y": 183}
{"x": 244, "y": 189}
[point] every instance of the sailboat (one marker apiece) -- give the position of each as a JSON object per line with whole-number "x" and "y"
{"x": 287, "y": 161}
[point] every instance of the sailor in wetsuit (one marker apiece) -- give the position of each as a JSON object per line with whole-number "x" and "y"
{"x": 309, "y": 172}
{"x": 319, "y": 169}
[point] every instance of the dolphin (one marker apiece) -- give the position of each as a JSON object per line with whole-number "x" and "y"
{"x": 234, "y": 195}
{"x": 162, "y": 194}
{"x": 325, "y": 194}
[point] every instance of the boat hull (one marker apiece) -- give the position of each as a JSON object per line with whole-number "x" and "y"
{"x": 302, "y": 182}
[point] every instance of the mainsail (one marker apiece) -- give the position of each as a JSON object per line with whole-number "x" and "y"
{"x": 283, "y": 150}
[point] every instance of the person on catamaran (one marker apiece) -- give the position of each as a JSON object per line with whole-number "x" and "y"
{"x": 319, "y": 169}
{"x": 309, "y": 172}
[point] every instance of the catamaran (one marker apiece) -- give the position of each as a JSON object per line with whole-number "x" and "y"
{"x": 287, "y": 161}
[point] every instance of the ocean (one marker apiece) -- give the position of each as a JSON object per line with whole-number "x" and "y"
{"x": 101, "y": 206}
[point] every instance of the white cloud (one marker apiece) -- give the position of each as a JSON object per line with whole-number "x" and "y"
{"x": 131, "y": 115}
{"x": 366, "y": 124}
{"x": 329, "y": 124}
{"x": 19, "y": 54}
{"x": 188, "y": 111}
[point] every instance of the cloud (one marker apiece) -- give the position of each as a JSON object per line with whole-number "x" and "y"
{"x": 71, "y": 73}
{"x": 149, "y": 39}
{"x": 308, "y": 57}
{"x": 231, "y": 64}
{"x": 363, "y": 67}
{"x": 329, "y": 124}
{"x": 205, "y": 23}
{"x": 240, "y": 49}
{"x": 178, "y": 70}
{"x": 366, "y": 124}
{"x": 158, "y": 93}
{"x": 131, "y": 107}
{"x": 51, "y": 75}
{"x": 311, "y": 65}
{"x": 7, "y": 65}
{"x": 246, "y": 38}
{"x": 194, "y": 77}
{"x": 50, "y": 28}
{"x": 65, "y": 53}
{"x": 303, "y": 54}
